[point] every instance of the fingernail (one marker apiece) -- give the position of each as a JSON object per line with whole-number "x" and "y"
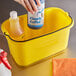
{"x": 39, "y": 4}
{"x": 35, "y": 10}
{"x": 32, "y": 12}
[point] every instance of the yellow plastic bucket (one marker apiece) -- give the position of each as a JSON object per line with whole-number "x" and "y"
{"x": 51, "y": 39}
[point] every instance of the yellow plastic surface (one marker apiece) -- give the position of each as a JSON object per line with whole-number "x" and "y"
{"x": 41, "y": 43}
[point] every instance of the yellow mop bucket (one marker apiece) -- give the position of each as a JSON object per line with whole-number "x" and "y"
{"x": 51, "y": 39}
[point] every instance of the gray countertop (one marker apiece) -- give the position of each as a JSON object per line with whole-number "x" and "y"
{"x": 45, "y": 68}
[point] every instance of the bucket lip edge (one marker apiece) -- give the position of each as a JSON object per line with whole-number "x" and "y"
{"x": 44, "y": 34}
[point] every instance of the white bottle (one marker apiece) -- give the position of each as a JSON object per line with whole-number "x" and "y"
{"x": 4, "y": 65}
{"x": 15, "y": 27}
{"x": 36, "y": 20}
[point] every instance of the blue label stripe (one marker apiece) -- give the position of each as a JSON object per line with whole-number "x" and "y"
{"x": 37, "y": 26}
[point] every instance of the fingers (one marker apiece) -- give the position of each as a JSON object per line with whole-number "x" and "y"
{"x": 38, "y": 2}
{"x": 29, "y": 6}
{"x": 23, "y": 4}
{"x": 33, "y": 4}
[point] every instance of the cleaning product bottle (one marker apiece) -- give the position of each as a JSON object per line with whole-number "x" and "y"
{"x": 16, "y": 30}
{"x": 4, "y": 65}
{"x": 36, "y": 20}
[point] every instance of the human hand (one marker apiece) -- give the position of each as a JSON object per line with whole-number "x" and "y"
{"x": 30, "y": 5}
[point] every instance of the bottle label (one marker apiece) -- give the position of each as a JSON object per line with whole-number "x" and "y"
{"x": 37, "y": 19}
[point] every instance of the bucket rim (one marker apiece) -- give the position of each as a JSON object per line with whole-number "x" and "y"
{"x": 70, "y": 25}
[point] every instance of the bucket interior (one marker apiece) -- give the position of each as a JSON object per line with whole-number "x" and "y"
{"x": 55, "y": 19}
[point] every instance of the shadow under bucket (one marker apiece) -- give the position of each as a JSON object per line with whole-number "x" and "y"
{"x": 38, "y": 44}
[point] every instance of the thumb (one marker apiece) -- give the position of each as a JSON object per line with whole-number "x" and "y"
{"x": 19, "y": 1}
